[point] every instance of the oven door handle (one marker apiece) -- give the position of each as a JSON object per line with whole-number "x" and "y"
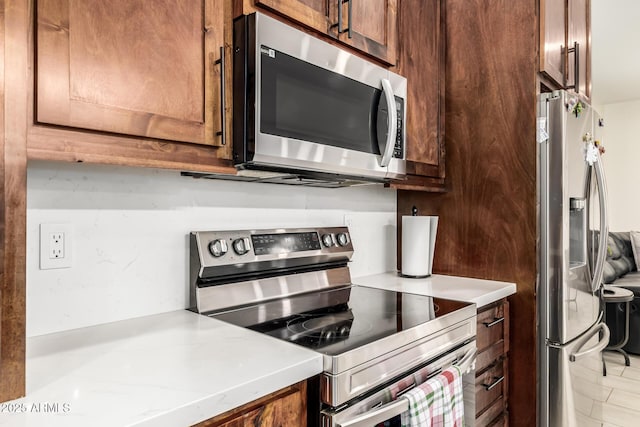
{"x": 467, "y": 361}
{"x": 379, "y": 415}
{"x": 401, "y": 404}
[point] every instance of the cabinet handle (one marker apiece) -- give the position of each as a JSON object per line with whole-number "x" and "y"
{"x": 223, "y": 112}
{"x": 496, "y": 320}
{"x": 576, "y": 66}
{"x": 349, "y": 34}
{"x": 496, "y": 381}
{"x": 349, "y": 14}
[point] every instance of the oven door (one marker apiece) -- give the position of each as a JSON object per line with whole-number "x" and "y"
{"x": 380, "y": 408}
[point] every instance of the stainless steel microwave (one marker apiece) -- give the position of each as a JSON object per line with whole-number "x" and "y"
{"x": 302, "y": 104}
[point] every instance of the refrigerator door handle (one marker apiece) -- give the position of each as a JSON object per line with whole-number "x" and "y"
{"x": 604, "y": 341}
{"x": 604, "y": 225}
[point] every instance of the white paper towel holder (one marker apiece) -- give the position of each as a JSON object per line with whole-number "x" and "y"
{"x": 420, "y": 243}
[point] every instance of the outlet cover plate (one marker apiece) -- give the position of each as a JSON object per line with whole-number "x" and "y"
{"x": 46, "y": 232}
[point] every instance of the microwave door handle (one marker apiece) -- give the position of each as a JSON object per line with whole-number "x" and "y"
{"x": 392, "y": 115}
{"x": 378, "y": 415}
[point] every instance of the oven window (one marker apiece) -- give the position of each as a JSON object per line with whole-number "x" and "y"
{"x": 302, "y": 101}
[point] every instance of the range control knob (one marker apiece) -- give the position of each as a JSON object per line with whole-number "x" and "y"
{"x": 241, "y": 246}
{"x": 343, "y": 239}
{"x": 344, "y": 331}
{"x": 218, "y": 247}
{"x": 327, "y": 240}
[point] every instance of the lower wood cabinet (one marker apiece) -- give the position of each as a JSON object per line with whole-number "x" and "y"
{"x": 492, "y": 365}
{"x": 284, "y": 408}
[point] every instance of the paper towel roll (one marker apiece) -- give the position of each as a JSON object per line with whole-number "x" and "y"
{"x": 418, "y": 244}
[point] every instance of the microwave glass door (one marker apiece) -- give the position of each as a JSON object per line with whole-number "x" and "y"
{"x": 302, "y": 101}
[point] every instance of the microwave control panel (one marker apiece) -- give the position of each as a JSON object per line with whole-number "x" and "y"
{"x": 398, "y": 149}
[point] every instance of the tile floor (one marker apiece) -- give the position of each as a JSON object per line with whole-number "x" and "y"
{"x": 620, "y": 390}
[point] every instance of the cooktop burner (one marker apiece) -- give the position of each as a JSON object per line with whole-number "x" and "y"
{"x": 339, "y": 320}
{"x": 317, "y": 330}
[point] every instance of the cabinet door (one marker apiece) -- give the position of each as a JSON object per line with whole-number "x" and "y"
{"x": 284, "y": 412}
{"x": 580, "y": 34}
{"x": 131, "y": 67}
{"x": 373, "y": 26}
{"x": 284, "y": 408}
{"x": 373, "y": 22}
{"x": 490, "y": 386}
{"x": 493, "y": 327}
{"x": 553, "y": 18}
{"x": 312, "y": 13}
{"x": 421, "y": 61}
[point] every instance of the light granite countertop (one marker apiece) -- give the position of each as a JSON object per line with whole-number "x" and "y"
{"x": 479, "y": 291}
{"x": 171, "y": 369}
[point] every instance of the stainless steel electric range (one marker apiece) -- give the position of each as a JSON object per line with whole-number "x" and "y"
{"x": 295, "y": 285}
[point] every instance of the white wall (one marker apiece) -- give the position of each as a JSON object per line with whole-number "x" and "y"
{"x": 622, "y": 162}
{"x": 130, "y": 228}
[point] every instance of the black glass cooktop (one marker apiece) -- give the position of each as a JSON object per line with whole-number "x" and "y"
{"x": 338, "y": 320}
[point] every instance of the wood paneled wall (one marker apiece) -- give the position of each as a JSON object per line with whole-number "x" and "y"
{"x": 487, "y": 226}
{"x": 13, "y": 192}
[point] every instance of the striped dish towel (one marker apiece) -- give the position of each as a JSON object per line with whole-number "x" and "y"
{"x": 437, "y": 402}
{"x": 419, "y": 377}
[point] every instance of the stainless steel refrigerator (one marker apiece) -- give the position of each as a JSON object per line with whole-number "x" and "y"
{"x": 572, "y": 226}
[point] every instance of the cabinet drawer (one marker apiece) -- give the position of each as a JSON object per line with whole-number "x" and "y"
{"x": 494, "y": 416}
{"x": 493, "y": 326}
{"x": 490, "y": 355}
{"x": 490, "y": 386}
{"x": 501, "y": 421}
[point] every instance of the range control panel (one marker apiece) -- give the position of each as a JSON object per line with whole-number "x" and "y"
{"x": 216, "y": 248}
{"x": 398, "y": 149}
{"x": 285, "y": 242}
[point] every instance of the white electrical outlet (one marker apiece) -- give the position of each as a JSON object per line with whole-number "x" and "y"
{"x": 55, "y": 246}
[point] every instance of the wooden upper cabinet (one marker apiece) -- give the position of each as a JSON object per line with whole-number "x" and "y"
{"x": 565, "y": 41}
{"x": 373, "y": 26}
{"x": 553, "y": 15}
{"x": 131, "y": 67}
{"x": 312, "y": 13}
{"x": 421, "y": 60}
{"x": 579, "y": 37}
{"x": 373, "y": 22}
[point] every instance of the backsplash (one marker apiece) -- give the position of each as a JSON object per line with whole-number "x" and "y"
{"x": 130, "y": 234}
